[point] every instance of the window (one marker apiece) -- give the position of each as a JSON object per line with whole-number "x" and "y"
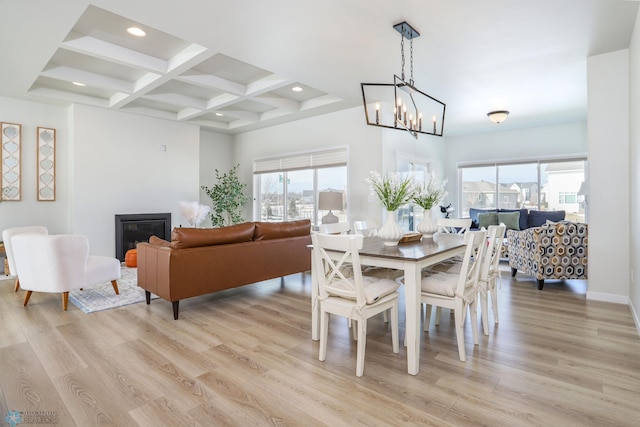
{"x": 548, "y": 185}
{"x": 288, "y": 186}
{"x": 420, "y": 170}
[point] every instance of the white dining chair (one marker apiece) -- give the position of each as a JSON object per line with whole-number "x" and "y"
{"x": 334, "y": 228}
{"x": 489, "y": 273}
{"x": 457, "y": 290}
{"x": 366, "y": 227}
{"x": 453, "y": 225}
{"x": 357, "y": 297}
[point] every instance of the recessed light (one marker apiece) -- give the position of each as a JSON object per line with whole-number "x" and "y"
{"x": 219, "y": 114}
{"x": 296, "y": 89}
{"x": 135, "y": 31}
{"x": 78, "y": 84}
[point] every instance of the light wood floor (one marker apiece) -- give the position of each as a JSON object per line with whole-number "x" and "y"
{"x": 245, "y": 358}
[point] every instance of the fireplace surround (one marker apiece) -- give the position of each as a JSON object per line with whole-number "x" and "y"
{"x": 134, "y": 228}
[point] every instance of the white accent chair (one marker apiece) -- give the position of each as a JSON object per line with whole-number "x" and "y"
{"x": 356, "y": 298}
{"x": 457, "y": 291}
{"x": 8, "y": 247}
{"x": 367, "y": 227}
{"x": 489, "y": 273}
{"x": 60, "y": 263}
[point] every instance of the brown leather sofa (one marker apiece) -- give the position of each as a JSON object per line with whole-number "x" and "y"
{"x": 199, "y": 261}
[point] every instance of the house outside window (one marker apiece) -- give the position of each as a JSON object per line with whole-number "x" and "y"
{"x": 535, "y": 185}
{"x": 287, "y": 187}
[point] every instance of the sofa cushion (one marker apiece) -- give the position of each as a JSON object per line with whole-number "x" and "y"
{"x": 183, "y": 237}
{"x": 473, "y": 214}
{"x": 277, "y": 230}
{"x": 524, "y": 216}
{"x": 538, "y": 218}
{"x": 510, "y": 219}
{"x": 486, "y": 219}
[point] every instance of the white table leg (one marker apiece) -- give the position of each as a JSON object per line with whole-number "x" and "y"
{"x": 315, "y": 307}
{"x": 412, "y": 308}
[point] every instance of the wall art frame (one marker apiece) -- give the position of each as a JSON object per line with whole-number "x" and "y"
{"x": 46, "y": 166}
{"x": 10, "y": 161}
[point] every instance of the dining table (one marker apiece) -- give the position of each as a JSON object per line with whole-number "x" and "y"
{"x": 409, "y": 257}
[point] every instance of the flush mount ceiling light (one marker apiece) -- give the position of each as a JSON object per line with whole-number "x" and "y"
{"x": 498, "y": 116}
{"x": 400, "y": 105}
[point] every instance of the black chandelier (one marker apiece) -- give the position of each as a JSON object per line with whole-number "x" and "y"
{"x": 400, "y": 105}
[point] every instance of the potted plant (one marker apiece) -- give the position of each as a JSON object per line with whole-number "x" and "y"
{"x": 427, "y": 196}
{"x": 393, "y": 192}
{"x": 228, "y": 198}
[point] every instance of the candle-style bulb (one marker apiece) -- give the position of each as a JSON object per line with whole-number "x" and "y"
{"x": 377, "y": 113}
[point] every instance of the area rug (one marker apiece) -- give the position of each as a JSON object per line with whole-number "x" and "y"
{"x": 102, "y": 297}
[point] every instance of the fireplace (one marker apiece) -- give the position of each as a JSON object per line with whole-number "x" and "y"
{"x": 134, "y": 228}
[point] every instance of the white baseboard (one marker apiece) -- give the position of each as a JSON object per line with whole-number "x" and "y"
{"x": 601, "y": 296}
{"x": 634, "y": 313}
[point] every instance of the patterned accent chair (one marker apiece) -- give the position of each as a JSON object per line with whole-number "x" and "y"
{"x": 551, "y": 251}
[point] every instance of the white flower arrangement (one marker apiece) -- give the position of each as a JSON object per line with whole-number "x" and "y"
{"x": 392, "y": 190}
{"x": 428, "y": 196}
{"x": 194, "y": 212}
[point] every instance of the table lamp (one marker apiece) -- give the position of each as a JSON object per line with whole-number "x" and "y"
{"x": 328, "y": 201}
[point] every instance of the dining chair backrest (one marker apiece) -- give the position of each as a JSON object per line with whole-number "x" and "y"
{"x": 475, "y": 242}
{"x": 334, "y": 228}
{"x": 331, "y": 280}
{"x": 491, "y": 258}
{"x": 453, "y": 225}
{"x": 367, "y": 227}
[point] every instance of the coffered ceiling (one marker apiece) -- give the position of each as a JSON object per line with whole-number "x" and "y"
{"x": 233, "y": 66}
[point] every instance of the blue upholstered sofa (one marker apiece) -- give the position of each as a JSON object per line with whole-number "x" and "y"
{"x": 524, "y": 218}
{"x": 514, "y": 219}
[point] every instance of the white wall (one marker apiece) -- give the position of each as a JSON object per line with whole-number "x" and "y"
{"x": 119, "y": 168}
{"x": 216, "y": 152}
{"x": 28, "y": 211}
{"x": 370, "y": 149}
{"x": 609, "y": 208}
{"x": 634, "y": 160}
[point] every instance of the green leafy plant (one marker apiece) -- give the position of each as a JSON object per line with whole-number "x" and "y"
{"x": 228, "y": 198}
{"x": 427, "y": 196}
{"x": 392, "y": 190}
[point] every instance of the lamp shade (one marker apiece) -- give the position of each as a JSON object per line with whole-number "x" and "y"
{"x": 498, "y": 116}
{"x": 330, "y": 200}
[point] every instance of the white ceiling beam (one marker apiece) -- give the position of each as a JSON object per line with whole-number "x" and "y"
{"x": 221, "y": 101}
{"x": 213, "y": 82}
{"x": 69, "y": 97}
{"x": 278, "y": 102}
{"x": 188, "y": 58}
{"x": 177, "y": 99}
{"x": 189, "y": 113}
{"x": 266, "y": 84}
{"x": 69, "y": 74}
{"x": 111, "y": 52}
{"x": 241, "y": 114}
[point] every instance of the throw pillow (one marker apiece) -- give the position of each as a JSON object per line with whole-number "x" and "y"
{"x": 538, "y": 218}
{"x": 510, "y": 219}
{"x": 486, "y": 219}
